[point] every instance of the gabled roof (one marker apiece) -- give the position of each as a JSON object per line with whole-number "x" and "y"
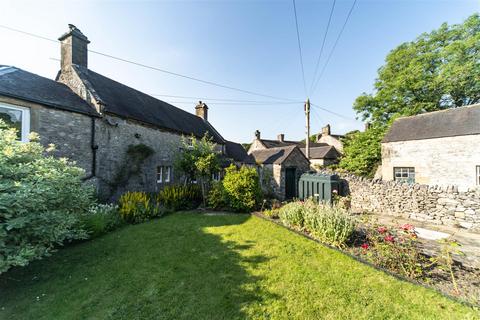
{"x": 273, "y": 155}
{"x": 237, "y": 152}
{"x": 21, "y": 84}
{"x": 439, "y": 124}
{"x": 130, "y": 103}
{"x": 278, "y": 143}
{"x": 324, "y": 152}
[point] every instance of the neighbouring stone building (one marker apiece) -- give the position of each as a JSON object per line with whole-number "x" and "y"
{"x": 280, "y": 169}
{"x": 439, "y": 148}
{"x": 327, "y": 137}
{"x": 123, "y": 138}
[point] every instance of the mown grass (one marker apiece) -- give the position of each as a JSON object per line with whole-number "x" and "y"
{"x": 192, "y": 266}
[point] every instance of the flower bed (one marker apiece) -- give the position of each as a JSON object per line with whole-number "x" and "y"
{"x": 395, "y": 250}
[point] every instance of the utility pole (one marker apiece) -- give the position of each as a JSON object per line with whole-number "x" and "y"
{"x": 307, "y": 141}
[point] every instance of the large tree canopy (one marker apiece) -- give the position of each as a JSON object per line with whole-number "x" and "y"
{"x": 438, "y": 70}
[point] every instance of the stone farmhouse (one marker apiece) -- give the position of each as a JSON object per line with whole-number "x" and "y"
{"x": 334, "y": 140}
{"x": 282, "y": 161}
{"x": 123, "y": 138}
{"x": 439, "y": 148}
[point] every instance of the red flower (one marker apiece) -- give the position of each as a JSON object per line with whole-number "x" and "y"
{"x": 407, "y": 227}
{"x": 365, "y": 246}
{"x": 382, "y": 229}
{"x": 389, "y": 238}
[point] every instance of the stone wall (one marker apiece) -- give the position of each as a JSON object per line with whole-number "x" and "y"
{"x": 433, "y": 204}
{"x": 441, "y": 161}
{"x": 70, "y": 132}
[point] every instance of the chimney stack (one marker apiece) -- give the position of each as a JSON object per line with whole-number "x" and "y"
{"x": 201, "y": 110}
{"x": 257, "y": 135}
{"x": 74, "y": 48}
{"x": 281, "y": 137}
{"x": 367, "y": 126}
{"x": 326, "y": 130}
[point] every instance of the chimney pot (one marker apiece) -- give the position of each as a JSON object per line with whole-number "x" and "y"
{"x": 201, "y": 110}
{"x": 257, "y": 134}
{"x": 281, "y": 137}
{"x": 74, "y": 48}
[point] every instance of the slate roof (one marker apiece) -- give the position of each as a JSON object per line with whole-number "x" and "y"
{"x": 324, "y": 152}
{"x": 21, "y": 84}
{"x": 439, "y": 124}
{"x": 237, "y": 152}
{"x": 130, "y": 103}
{"x": 277, "y": 143}
{"x": 273, "y": 155}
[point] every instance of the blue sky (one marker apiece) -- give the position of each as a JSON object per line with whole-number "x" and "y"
{"x": 250, "y": 45}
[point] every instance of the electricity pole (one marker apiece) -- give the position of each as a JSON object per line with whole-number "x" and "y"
{"x": 307, "y": 141}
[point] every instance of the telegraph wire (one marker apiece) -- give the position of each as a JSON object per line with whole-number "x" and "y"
{"x": 299, "y": 48}
{"x": 155, "y": 68}
{"x": 335, "y": 45}
{"x": 334, "y": 113}
{"x": 323, "y": 45}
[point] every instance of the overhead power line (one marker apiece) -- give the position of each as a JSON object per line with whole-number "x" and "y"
{"x": 155, "y": 68}
{"x": 299, "y": 48}
{"x": 334, "y": 45}
{"x": 323, "y": 45}
{"x": 221, "y": 99}
{"x": 334, "y": 113}
{"x": 240, "y": 103}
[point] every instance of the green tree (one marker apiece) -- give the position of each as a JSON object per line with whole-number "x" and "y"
{"x": 438, "y": 70}
{"x": 198, "y": 161}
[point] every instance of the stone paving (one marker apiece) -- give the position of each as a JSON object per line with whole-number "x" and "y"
{"x": 469, "y": 241}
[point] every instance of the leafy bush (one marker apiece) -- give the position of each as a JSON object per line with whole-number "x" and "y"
{"x": 329, "y": 224}
{"x": 292, "y": 214}
{"x": 41, "y": 198}
{"x": 180, "y": 197}
{"x": 242, "y": 188}
{"x": 136, "y": 207}
{"x": 271, "y": 213}
{"x": 217, "y": 197}
{"x": 100, "y": 219}
{"x": 395, "y": 249}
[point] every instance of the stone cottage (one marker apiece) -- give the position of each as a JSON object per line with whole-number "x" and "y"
{"x": 321, "y": 153}
{"x": 123, "y": 138}
{"x": 280, "y": 169}
{"x": 439, "y": 148}
{"x": 327, "y": 137}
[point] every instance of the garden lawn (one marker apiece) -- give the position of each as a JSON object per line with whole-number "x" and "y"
{"x": 194, "y": 266}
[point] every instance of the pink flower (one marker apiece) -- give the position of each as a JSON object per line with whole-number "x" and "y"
{"x": 389, "y": 238}
{"x": 382, "y": 229}
{"x": 407, "y": 227}
{"x": 365, "y": 246}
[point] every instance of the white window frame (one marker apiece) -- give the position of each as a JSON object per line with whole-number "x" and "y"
{"x": 168, "y": 174}
{"x": 216, "y": 176}
{"x": 25, "y": 118}
{"x": 409, "y": 171}
{"x": 478, "y": 175}
{"x": 160, "y": 174}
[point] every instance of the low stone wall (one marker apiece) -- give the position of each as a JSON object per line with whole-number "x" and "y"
{"x": 438, "y": 205}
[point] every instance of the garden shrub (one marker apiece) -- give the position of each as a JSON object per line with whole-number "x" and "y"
{"x": 180, "y": 197}
{"x": 217, "y": 197}
{"x": 329, "y": 224}
{"x": 136, "y": 207}
{"x": 100, "y": 219}
{"x": 41, "y": 198}
{"x": 242, "y": 187}
{"x": 291, "y": 214}
{"x": 395, "y": 249}
{"x": 271, "y": 213}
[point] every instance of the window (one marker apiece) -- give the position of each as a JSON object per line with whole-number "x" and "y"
{"x": 478, "y": 176}
{"x": 164, "y": 174}
{"x": 406, "y": 174}
{"x": 216, "y": 176}
{"x": 18, "y": 118}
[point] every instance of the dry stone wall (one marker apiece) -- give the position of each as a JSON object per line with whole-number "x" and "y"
{"x": 433, "y": 204}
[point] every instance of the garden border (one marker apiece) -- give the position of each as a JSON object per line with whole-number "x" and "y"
{"x": 397, "y": 276}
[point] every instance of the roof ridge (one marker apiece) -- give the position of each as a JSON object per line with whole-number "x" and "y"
{"x": 439, "y": 111}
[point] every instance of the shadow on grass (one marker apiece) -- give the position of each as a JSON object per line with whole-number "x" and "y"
{"x": 170, "y": 268}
